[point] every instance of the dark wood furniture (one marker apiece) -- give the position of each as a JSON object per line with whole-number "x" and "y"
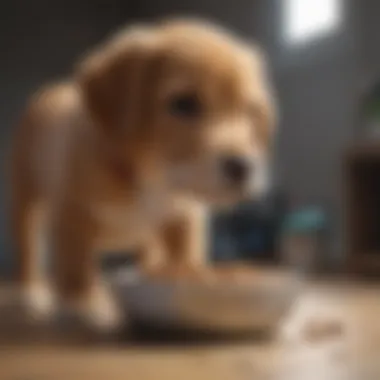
{"x": 362, "y": 208}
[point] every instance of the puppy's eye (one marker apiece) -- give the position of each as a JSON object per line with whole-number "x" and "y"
{"x": 186, "y": 106}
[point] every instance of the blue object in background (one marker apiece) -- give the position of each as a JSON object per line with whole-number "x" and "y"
{"x": 305, "y": 221}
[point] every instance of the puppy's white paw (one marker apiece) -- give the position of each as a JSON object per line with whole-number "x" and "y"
{"x": 38, "y": 301}
{"x": 102, "y": 312}
{"x": 97, "y": 312}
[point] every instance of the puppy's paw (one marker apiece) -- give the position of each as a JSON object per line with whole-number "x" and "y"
{"x": 96, "y": 312}
{"x": 38, "y": 302}
{"x": 102, "y": 312}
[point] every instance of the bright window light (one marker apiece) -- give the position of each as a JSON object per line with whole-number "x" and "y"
{"x": 307, "y": 20}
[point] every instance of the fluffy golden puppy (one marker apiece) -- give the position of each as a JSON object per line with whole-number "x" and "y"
{"x": 155, "y": 126}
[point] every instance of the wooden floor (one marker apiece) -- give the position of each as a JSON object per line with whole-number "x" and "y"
{"x": 42, "y": 355}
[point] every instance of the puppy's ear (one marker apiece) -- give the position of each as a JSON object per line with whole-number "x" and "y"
{"x": 266, "y": 112}
{"x": 110, "y": 79}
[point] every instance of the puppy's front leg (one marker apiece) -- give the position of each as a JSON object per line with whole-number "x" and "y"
{"x": 185, "y": 239}
{"x": 76, "y": 270}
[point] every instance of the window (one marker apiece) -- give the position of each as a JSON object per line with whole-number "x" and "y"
{"x": 308, "y": 20}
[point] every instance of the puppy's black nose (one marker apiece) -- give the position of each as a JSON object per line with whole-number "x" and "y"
{"x": 236, "y": 169}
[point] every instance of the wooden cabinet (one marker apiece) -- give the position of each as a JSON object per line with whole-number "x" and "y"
{"x": 362, "y": 208}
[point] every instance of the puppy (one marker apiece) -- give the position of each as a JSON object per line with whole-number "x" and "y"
{"x": 155, "y": 126}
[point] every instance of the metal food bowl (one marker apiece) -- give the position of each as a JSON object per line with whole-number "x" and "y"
{"x": 224, "y": 306}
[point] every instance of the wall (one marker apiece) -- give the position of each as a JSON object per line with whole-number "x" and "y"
{"x": 319, "y": 88}
{"x": 368, "y": 28}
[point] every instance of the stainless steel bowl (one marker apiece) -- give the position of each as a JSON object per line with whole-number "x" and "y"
{"x": 223, "y": 307}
